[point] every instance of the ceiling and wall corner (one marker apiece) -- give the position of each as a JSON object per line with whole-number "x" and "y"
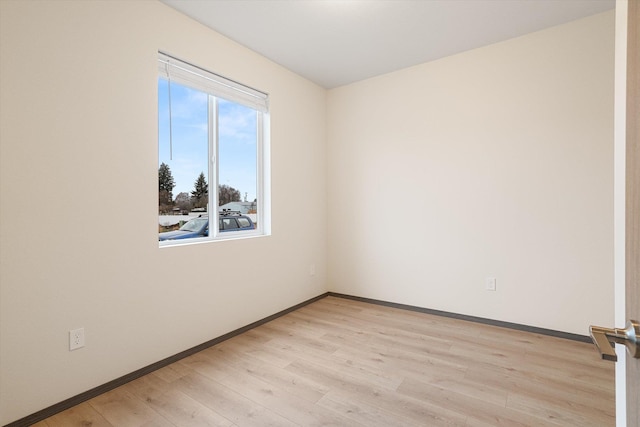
{"x": 337, "y": 42}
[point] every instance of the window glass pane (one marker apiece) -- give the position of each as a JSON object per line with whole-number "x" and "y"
{"x": 244, "y": 222}
{"x": 182, "y": 161}
{"x": 229, "y": 223}
{"x": 237, "y": 158}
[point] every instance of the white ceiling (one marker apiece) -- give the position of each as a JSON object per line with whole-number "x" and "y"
{"x": 336, "y": 42}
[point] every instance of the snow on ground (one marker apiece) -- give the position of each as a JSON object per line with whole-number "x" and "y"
{"x": 167, "y": 220}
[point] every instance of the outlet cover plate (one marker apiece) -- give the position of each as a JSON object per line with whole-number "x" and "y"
{"x": 76, "y": 339}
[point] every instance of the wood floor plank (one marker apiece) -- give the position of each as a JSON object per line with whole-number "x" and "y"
{"x": 257, "y": 351}
{"x": 172, "y": 372}
{"x": 356, "y": 389}
{"x": 563, "y": 412}
{"x": 232, "y": 405}
{"x": 343, "y": 366}
{"x": 496, "y": 415}
{"x": 184, "y": 411}
{"x": 399, "y": 364}
{"x": 342, "y": 362}
{"x": 290, "y": 406}
{"x": 272, "y": 374}
{"x": 121, "y": 408}
{"x": 81, "y": 415}
{"x": 559, "y": 387}
{"x": 362, "y": 412}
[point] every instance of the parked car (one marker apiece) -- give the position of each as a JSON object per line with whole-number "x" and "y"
{"x": 199, "y": 227}
{"x": 234, "y": 221}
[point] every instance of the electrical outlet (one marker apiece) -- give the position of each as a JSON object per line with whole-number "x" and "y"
{"x": 312, "y": 270}
{"x": 491, "y": 284}
{"x": 76, "y": 339}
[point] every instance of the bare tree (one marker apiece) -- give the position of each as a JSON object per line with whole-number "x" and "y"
{"x": 183, "y": 201}
{"x": 227, "y": 194}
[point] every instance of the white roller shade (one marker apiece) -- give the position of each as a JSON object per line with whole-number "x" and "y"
{"x": 181, "y": 72}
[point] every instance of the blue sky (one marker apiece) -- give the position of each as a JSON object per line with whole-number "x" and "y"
{"x": 237, "y": 129}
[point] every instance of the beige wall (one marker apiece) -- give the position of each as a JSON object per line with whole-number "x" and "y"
{"x": 497, "y": 162}
{"x": 78, "y": 186}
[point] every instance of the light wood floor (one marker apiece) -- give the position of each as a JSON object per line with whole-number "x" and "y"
{"x": 347, "y": 363}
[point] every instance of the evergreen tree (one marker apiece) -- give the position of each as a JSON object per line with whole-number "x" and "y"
{"x": 200, "y": 194}
{"x": 166, "y": 184}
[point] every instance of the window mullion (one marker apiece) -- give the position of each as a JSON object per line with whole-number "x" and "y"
{"x": 260, "y": 171}
{"x": 213, "y": 166}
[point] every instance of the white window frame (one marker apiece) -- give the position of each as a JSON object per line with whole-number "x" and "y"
{"x": 218, "y": 87}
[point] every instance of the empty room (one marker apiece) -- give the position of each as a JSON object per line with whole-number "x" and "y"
{"x": 423, "y": 215}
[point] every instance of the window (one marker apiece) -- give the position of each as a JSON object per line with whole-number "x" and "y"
{"x": 212, "y": 133}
